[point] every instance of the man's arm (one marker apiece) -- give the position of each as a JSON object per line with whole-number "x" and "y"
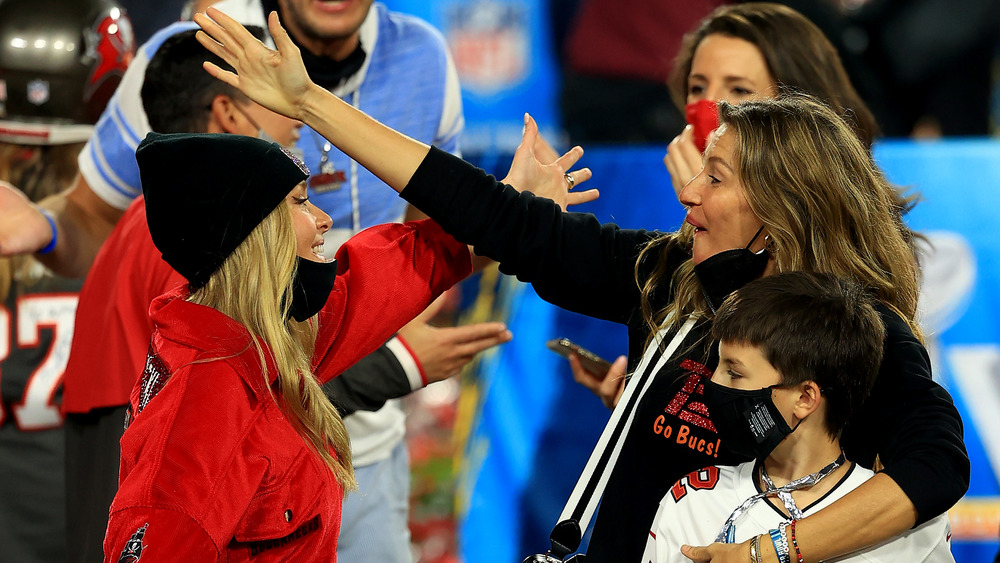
{"x": 368, "y": 384}
{"x": 83, "y": 222}
{"x": 81, "y": 219}
{"x": 419, "y": 355}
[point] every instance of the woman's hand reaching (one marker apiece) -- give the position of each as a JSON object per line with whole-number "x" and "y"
{"x": 683, "y": 159}
{"x": 608, "y": 386}
{"x": 531, "y": 172}
{"x": 276, "y": 80}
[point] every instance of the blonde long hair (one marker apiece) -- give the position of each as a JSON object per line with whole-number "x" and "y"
{"x": 825, "y": 205}
{"x": 252, "y": 287}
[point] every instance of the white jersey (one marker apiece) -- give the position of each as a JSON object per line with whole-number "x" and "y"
{"x": 401, "y": 50}
{"x": 698, "y": 505}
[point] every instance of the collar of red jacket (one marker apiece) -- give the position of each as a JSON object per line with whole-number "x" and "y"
{"x": 213, "y": 333}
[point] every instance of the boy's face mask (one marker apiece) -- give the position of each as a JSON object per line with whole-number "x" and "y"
{"x": 703, "y": 116}
{"x": 748, "y": 422}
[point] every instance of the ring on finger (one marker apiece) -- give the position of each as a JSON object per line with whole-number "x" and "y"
{"x": 569, "y": 180}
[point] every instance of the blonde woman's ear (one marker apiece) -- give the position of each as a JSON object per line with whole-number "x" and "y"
{"x": 770, "y": 244}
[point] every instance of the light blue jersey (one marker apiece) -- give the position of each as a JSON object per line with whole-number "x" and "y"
{"x": 407, "y": 82}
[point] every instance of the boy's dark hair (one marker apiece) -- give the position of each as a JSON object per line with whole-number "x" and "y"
{"x": 177, "y": 93}
{"x": 810, "y": 327}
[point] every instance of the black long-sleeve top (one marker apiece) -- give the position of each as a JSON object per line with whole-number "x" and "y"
{"x": 575, "y": 262}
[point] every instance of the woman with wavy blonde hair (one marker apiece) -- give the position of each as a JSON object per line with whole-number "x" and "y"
{"x": 786, "y": 184}
{"x": 822, "y": 200}
{"x": 231, "y": 448}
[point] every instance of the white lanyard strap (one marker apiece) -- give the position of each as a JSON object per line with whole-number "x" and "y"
{"x": 590, "y": 487}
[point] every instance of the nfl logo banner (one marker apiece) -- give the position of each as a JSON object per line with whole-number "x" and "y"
{"x": 506, "y": 63}
{"x": 490, "y": 43}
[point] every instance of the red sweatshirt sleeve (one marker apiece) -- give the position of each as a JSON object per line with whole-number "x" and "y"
{"x": 155, "y": 534}
{"x": 388, "y": 275}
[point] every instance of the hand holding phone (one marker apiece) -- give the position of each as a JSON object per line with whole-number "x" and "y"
{"x": 588, "y": 360}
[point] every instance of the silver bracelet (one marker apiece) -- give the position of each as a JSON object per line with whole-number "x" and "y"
{"x": 755, "y": 550}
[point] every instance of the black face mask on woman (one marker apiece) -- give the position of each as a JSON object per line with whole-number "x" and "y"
{"x": 311, "y": 287}
{"x": 748, "y": 422}
{"x": 725, "y": 272}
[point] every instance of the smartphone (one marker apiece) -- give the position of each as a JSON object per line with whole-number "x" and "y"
{"x": 589, "y": 360}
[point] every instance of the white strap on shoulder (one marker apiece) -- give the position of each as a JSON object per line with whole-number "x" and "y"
{"x": 590, "y": 497}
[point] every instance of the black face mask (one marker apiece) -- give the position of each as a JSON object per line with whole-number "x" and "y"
{"x": 730, "y": 270}
{"x": 748, "y": 422}
{"x": 311, "y": 287}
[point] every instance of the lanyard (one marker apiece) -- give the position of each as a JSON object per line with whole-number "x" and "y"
{"x": 728, "y": 529}
{"x": 582, "y": 503}
{"x": 784, "y": 496}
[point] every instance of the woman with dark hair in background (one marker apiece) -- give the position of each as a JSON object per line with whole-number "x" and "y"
{"x": 749, "y": 52}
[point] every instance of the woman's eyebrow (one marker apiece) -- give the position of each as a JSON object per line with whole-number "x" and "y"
{"x": 720, "y": 161}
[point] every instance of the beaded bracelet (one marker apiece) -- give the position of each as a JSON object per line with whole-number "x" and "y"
{"x": 780, "y": 545}
{"x": 55, "y": 233}
{"x": 788, "y": 546}
{"x": 795, "y": 544}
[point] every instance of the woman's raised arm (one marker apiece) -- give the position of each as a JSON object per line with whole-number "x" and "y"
{"x": 278, "y": 81}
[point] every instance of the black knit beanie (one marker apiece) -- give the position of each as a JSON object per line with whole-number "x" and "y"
{"x": 206, "y": 192}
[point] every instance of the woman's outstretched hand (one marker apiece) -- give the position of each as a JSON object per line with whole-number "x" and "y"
{"x": 276, "y": 80}
{"x": 608, "y": 386}
{"x": 530, "y": 172}
{"x": 683, "y": 159}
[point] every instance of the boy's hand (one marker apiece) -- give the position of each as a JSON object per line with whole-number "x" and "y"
{"x": 729, "y": 552}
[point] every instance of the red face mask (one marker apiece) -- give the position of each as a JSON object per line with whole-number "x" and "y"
{"x": 704, "y": 118}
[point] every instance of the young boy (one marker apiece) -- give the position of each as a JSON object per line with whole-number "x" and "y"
{"x": 798, "y": 353}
